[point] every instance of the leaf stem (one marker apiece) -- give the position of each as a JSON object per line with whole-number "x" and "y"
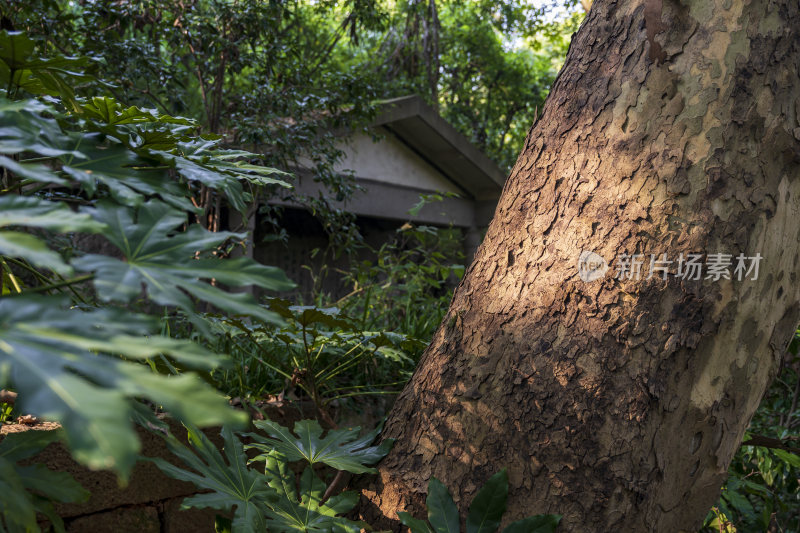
{"x": 39, "y": 276}
{"x": 11, "y": 275}
{"x": 64, "y": 283}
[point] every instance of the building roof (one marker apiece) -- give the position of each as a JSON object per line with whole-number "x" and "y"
{"x": 419, "y": 154}
{"x": 425, "y": 132}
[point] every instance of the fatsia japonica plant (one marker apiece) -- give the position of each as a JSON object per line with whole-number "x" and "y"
{"x": 103, "y": 230}
{"x": 485, "y": 511}
{"x": 274, "y": 498}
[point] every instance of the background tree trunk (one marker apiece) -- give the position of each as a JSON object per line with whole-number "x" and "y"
{"x": 672, "y": 128}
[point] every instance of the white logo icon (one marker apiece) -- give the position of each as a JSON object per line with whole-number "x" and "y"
{"x": 591, "y": 266}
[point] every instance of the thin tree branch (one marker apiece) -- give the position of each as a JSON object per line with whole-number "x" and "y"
{"x": 332, "y": 487}
{"x": 768, "y": 442}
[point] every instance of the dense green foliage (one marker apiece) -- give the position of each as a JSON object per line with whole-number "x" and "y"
{"x": 127, "y": 175}
{"x": 273, "y": 499}
{"x": 282, "y": 76}
{"x": 319, "y": 354}
{"x": 763, "y": 489}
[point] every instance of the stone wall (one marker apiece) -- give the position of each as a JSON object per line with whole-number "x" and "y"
{"x": 149, "y": 503}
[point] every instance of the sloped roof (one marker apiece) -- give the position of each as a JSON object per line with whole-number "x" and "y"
{"x": 432, "y": 138}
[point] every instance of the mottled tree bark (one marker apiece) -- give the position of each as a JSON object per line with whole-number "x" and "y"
{"x": 672, "y": 129}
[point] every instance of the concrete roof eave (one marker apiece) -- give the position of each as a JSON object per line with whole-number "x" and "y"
{"x": 420, "y": 127}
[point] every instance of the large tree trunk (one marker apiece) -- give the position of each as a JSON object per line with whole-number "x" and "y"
{"x": 672, "y": 129}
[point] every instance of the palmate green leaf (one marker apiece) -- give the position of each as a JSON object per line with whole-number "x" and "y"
{"x": 35, "y": 212}
{"x": 31, "y": 489}
{"x": 55, "y": 76}
{"x": 290, "y": 512}
{"x": 111, "y": 112}
{"x": 52, "y": 356}
{"x": 30, "y": 105}
{"x": 129, "y": 177}
{"x": 442, "y": 512}
{"x": 210, "y": 177}
{"x": 307, "y": 315}
{"x": 16, "y": 49}
{"x": 89, "y": 159}
{"x": 201, "y": 161}
{"x": 232, "y": 483}
{"x": 341, "y": 449}
{"x": 57, "y": 486}
{"x": 224, "y": 161}
{"x": 141, "y": 130}
{"x": 487, "y": 508}
{"x": 162, "y": 261}
{"x": 154, "y": 138}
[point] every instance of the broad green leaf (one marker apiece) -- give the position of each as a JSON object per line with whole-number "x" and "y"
{"x": 57, "y": 486}
{"x": 291, "y": 512}
{"x": 23, "y": 130}
{"x": 24, "y": 445}
{"x": 542, "y": 523}
{"x": 231, "y": 482}
{"x": 32, "y": 488}
{"x": 161, "y": 260}
{"x": 210, "y": 177}
{"x": 35, "y": 212}
{"x": 33, "y": 250}
{"x": 16, "y": 49}
{"x": 88, "y": 158}
{"x": 488, "y": 506}
{"x": 442, "y": 512}
{"x": 415, "y": 525}
{"x": 56, "y": 76}
{"x": 340, "y": 449}
{"x": 200, "y": 161}
{"x": 111, "y": 112}
{"x": 16, "y": 509}
{"x": 154, "y": 138}
{"x": 741, "y": 504}
{"x": 30, "y": 105}
{"x": 307, "y": 315}
{"x": 32, "y": 171}
{"x": 128, "y": 177}
{"x": 222, "y": 161}
{"x": 788, "y": 457}
{"x": 52, "y": 354}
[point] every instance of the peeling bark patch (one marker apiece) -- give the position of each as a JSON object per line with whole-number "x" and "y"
{"x": 654, "y": 26}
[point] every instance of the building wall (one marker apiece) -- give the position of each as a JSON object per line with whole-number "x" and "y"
{"x": 391, "y": 161}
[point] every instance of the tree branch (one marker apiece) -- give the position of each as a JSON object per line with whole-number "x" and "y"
{"x": 332, "y": 487}
{"x": 768, "y": 442}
